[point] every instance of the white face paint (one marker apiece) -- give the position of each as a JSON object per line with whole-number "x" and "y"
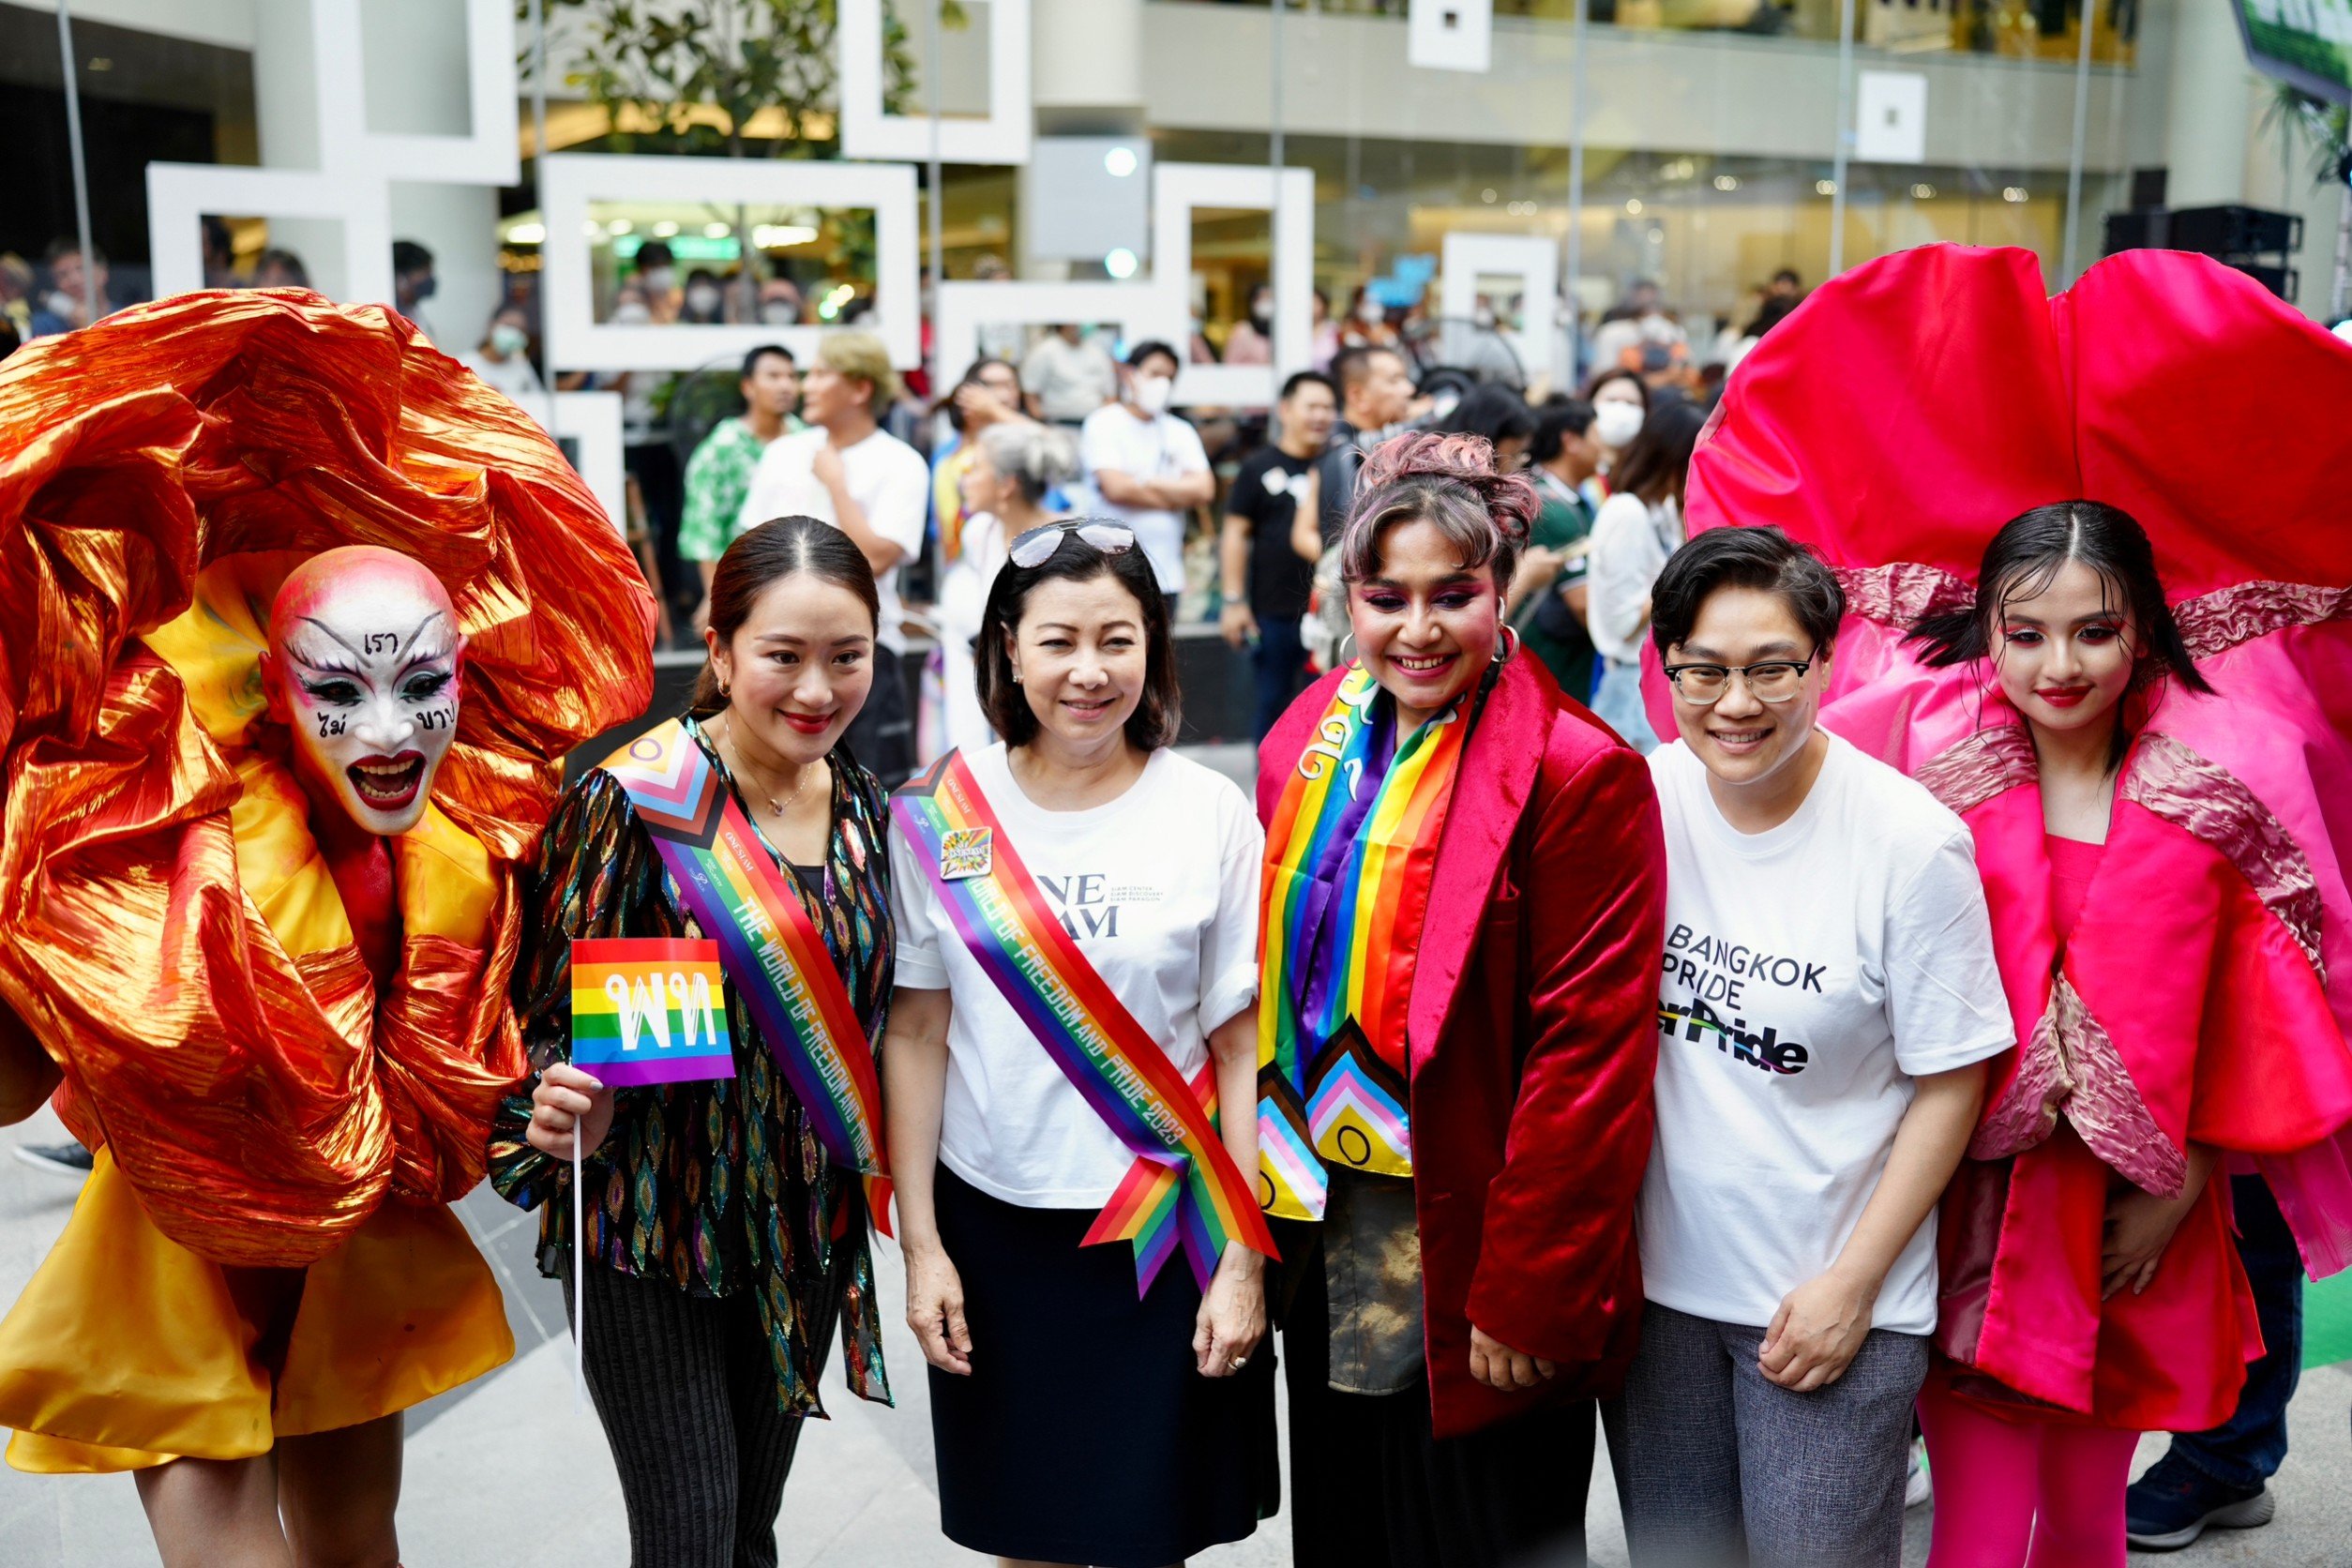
{"x": 364, "y": 660}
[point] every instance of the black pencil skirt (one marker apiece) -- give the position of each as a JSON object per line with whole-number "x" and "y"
{"x": 1083, "y": 1433}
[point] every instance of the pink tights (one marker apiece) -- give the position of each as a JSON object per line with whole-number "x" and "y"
{"x": 2022, "y": 1494}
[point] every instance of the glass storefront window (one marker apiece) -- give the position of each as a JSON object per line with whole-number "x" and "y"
{"x": 2021, "y": 29}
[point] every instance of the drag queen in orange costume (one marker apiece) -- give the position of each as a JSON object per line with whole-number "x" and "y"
{"x": 301, "y": 620}
{"x": 2164, "y": 445}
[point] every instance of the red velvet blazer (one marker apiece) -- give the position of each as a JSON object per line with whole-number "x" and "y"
{"x": 1533, "y": 1035}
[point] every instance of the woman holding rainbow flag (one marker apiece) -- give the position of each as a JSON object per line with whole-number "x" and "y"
{"x": 1077, "y": 972}
{"x": 1464, "y": 907}
{"x": 705, "y": 965}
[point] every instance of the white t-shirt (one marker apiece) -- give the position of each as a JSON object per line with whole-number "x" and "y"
{"x": 1160, "y": 447}
{"x": 1069, "y": 381}
{"x": 1159, "y": 887}
{"x": 1631, "y": 541}
{"x": 888, "y": 478}
{"x": 1812, "y": 971}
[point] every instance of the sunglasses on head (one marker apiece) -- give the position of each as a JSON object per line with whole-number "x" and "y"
{"x": 1036, "y": 547}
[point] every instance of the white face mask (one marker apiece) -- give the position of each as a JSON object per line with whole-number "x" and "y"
{"x": 509, "y": 340}
{"x": 1152, "y": 393}
{"x": 1371, "y": 312}
{"x": 1615, "y": 424}
{"x": 701, "y": 299}
{"x": 778, "y": 312}
{"x": 660, "y": 278}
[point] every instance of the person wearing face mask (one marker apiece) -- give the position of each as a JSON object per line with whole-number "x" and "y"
{"x": 266, "y": 902}
{"x": 503, "y": 359}
{"x": 1069, "y": 1062}
{"x": 655, "y": 276}
{"x": 727, "y": 1219}
{"x": 1463, "y": 910}
{"x": 1826, "y": 1006}
{"x": 1251, "y": 342}
{"x": 705, "y": 298}
{"x": 1366, "y": 325}
{"x": 779, "y": 303}
{"x": 719, "y": 475}
{"x": 1634, "y": 532}
{"x": 1620, "y": 403}
{"x": 413, "y": 280}
{"x": 1146, "y": 464}
{"x": 2132, "y": 692}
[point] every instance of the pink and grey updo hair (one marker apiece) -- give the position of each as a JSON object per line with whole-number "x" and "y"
{"x": 1447, "y": 481}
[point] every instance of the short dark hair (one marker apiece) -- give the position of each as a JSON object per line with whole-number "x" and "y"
{"x": 751, "y": 360}
{"x": 1353, "y": 366}
{"x": 654, "y": 253}
{"x": 1308, "y": 377}
{"x": 68, "y": 246}
{"x": 407, "y": 256}
{"x": 1789, "y": 275}
{"x": 1763, "y": 559}
{"x": 1618, "y": 372}
{"x": 1656, "y": 463}
{"x": 1491, "y": 411}
{"x": 1555, "y": 422}
{"x": 1155, "y": 722}
{"x": 777, "y": 549}
{"x": 1146, "y": 349}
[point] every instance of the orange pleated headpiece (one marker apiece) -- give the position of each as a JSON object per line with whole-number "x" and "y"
{"x": 168, "y": 933}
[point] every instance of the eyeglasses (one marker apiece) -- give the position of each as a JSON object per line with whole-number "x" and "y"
{"x": 1036, "y": 547}
{"x": 1702, "y": 686}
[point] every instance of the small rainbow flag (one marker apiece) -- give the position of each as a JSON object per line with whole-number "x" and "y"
{"x": 649, "y": 1010}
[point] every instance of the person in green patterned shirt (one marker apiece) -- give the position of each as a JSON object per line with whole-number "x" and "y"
{"x": 718, "y": 474}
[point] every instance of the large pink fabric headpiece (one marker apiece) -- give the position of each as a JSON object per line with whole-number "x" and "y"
{"x": 1911, "y": 407}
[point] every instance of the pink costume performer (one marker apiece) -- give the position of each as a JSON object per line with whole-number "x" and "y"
{"x": 1902, "y": 416}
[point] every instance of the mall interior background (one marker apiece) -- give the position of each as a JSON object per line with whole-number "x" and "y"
{"x": 1690, "y": 142}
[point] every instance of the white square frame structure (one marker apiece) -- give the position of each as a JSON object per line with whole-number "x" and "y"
{"x": 179, "y": 195}
{"x": 569, "y": 181}
{"x": 965, "y": 308}
{"x": 592, "y": 422}
{"x": 1534, "y": 261}
{"x": 1288, "y": 194}
{"x": 490, "y": 153}
{"x": 870, "y": 130}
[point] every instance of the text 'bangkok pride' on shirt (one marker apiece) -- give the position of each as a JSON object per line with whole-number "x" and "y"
{"x": 1810, "y": 972}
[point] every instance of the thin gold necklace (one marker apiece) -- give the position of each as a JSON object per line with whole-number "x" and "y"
{"x": 775, "y": 809}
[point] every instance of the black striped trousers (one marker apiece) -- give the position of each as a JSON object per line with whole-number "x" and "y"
{"x": 686, "y": 1392}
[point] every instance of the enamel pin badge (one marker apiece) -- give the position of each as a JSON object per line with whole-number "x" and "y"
{"x": 965, "y": 852}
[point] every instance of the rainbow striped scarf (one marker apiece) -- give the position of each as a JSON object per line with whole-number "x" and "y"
{"x": 725, "y": 879}
{"x": 1184, "y": 1186}
{"x": 1349, "y": 860}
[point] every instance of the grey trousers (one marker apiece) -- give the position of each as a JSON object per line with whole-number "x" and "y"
{"x": 1724, "y": 1468}
{"x": 686, "y": 1392}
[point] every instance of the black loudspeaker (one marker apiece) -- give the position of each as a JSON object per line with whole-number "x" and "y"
{"x": 2137, "y": 229}
{"x": 2234, "y": 231}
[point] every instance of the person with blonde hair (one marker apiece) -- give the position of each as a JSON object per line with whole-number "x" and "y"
{"x": 846, "y": 470}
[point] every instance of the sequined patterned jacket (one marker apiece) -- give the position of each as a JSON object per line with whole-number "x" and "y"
{"x": 721, "y": 1188}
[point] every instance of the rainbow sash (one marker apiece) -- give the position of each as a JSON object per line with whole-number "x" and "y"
{"x": 1183, "y": 1184}
{"x": 727, "y": 880}
{"x": 1349, "y": 855}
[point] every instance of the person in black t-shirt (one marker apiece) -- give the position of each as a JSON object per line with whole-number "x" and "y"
{"x": 1266, "y": 581}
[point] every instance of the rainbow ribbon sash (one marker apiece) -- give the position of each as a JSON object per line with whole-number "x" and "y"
{"x": 738, "y": 893}
{"x": 649, "y": 1010}
{"x": 1183, "y": 1186}
{"x": 1349, "y": 856}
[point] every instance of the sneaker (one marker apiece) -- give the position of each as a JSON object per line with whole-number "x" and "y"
{"x": 2175, "y": 1502}
{"x": 1915, "y": 1488}
{"x": 59, "y": 1159}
